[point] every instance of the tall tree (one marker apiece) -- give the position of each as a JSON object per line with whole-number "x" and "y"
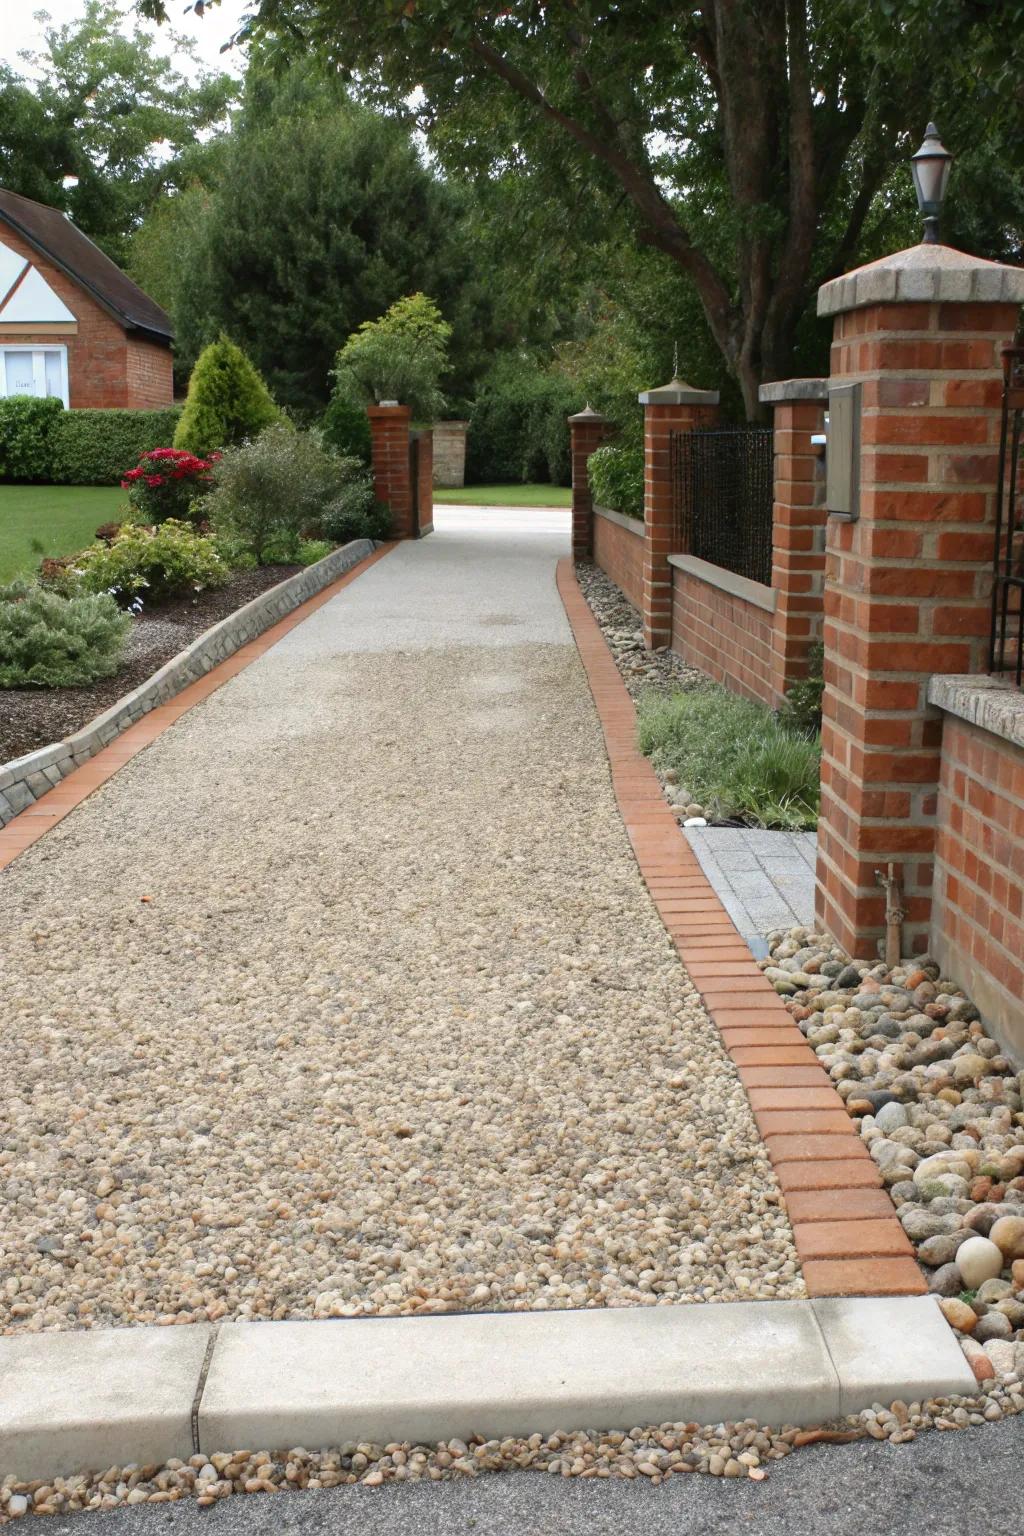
{"x": 99, "y": 122}
{"x": 317, "y": 215}
{"x": 749, "y": 139}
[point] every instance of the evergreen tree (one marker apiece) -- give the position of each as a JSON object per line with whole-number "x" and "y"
{"x": 227, "y": 401}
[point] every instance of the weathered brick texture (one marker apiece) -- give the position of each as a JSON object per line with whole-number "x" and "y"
{"x": 619, "y": 551}
{"x": 392, "y": 467}
{"x": 978, "y": 905}
{"x": 675, "y": 408}
{"x": 587, "y": 431}
{"x": 906, "y": 595}
{"x": 728, "y": 637}
{"x": 798, "y": 543}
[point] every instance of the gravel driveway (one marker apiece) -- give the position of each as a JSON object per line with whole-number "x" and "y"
{"x": 399, "y": 1028}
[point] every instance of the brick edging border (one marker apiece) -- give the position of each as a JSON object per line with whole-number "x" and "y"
{"x": 32, "y": 823}
{"x": 847, "y": 1235}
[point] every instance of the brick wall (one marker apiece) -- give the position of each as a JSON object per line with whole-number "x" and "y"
{"x": 619, "y": 551}
{"x": 724, "y": 634}
{"x": 98, "y": 351}
{"x": 392, "y": 466}
{"x": 150, "y": 375}
{"x": 977, "y": 931}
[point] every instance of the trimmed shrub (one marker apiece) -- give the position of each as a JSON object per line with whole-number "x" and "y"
{"x": 616, "y": 477}
{"x": 518, "y": 428}
{"x": 154, "y": 564}
{"x": 346, "y": 428}
{"x": 227, "y": 401}
{"x": 169, "y": 483}
{"x": 399, "y": 357}
{"x": 47, "y": 641}
{"x": 96, "y": 447}
{"x": 280, "y": 488}
{"x": 27, "y": 428}
{"x": 733, "y": 756}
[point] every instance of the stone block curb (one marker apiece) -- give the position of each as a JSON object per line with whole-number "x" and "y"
{"x": 24, "y": 780}
{"x": 75, "y": 1402}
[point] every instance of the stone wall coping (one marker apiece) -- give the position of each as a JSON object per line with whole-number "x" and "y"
{"x": 393, "y": 410}
{"x": 632, "y": 524}
{"x": 995, "y": 704}
{"x": 24, "y": 780}
{"x": 935, "y": 274}
{"x": 676, "y": 392}
{"x": 782, "y": 390}
{"x": 451, "y": 426}
{"x": 588, "y": 417}
{"x": 754, "y": 592}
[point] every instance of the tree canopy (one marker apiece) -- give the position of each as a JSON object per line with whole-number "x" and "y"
{"x": 753, "y": 144}
{"x": 99, "y": 123}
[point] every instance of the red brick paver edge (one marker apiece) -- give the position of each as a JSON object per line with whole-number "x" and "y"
{"x": 33, "y": 823}
{"x": 844, "y": 1224}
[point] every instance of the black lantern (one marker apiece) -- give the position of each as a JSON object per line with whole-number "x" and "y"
{"x": 931, "y": 166}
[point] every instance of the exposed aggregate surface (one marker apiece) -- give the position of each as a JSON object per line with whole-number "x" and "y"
{"x": 397, "y": 1028}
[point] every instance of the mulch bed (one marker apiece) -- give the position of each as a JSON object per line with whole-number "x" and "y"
{"x": 32, "y": 718}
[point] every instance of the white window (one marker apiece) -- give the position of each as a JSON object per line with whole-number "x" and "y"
{"x": 39, "y": 371}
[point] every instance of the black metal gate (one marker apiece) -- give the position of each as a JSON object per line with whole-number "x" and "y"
{"x": 1007, "y": 649}
{"x": 722, "y": 497}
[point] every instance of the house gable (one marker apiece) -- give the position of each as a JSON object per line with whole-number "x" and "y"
{"x": 30, "y": 299}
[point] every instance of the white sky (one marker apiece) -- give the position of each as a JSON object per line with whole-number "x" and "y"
{"x": 19, "y": 29}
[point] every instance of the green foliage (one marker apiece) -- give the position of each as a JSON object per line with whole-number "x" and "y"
{"x": 518, "y": 426}
{"x": 355, "y": 515}
{"x": 616, "y": 477}
{"x": 155, "y": 564}
{"x": 312, "y": 550}
{"x": 27, "y": 428}
{"x": 733, "y": 755}
{"x": 110, "y": 110}
{"x": 227, "y": 401}
{"x": 96, "y": 447}
{"x": 802, "y": 708}
{"x": 279, "y": 488}
{"x": 48, "y": 641}
{"x": 313, "y": 215}
{"x": 400, "y": 356}
{"x": 169, "y": 483}
{"x": 346, "y": 428}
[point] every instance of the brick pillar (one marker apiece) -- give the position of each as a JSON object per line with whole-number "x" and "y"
{"x": 908, "y": 584}
{"x": 675, "y": 407}
{"x": 423, "y": 443}
{"x": 798, "y": 526}
{"x": 587, "y": 431}
{"x": 392, "y": 470}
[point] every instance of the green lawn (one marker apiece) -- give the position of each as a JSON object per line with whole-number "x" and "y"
{"x": 62, "y": 518}
{"x": 507, "y": 495}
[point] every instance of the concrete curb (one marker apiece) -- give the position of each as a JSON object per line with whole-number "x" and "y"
{"x": 71, "y": 1402}
{"x": 27, "y": 779}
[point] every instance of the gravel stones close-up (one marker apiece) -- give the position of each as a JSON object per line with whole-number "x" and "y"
{"x": 346, "y": 997}
{"x": 940, "y": 1108}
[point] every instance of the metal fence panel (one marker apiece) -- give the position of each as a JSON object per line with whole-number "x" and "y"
{"x": 1007, "y": 648}
{"x": 722, "y": 497}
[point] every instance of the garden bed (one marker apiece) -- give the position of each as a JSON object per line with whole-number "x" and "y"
{"x": 34, "y": 717}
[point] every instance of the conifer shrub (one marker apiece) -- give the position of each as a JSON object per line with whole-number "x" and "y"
{"x": 227, "y": 401}
{"x": 49, "y": 641}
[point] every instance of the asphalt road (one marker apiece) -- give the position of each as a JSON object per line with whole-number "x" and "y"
{"x": 945, "y": 1484}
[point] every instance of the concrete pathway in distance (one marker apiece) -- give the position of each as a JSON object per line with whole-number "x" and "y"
{"x": 764, "y": 880}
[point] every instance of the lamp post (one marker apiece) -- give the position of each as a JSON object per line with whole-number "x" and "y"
{"x": 930, "y": 168}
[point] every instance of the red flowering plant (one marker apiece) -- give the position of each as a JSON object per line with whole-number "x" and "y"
{"x": 169, "y": 483}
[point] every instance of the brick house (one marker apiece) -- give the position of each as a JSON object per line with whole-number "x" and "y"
{"x": 72, "y": 324}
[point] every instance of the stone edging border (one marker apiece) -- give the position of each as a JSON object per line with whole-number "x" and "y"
{"x": 93, "y": 1398}
{"x": 25, "y": 780}
{"x": 847, "y": 1234}
{"x": 140, "y": 717}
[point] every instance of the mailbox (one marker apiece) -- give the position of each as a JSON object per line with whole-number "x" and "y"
{"x": 842, "y": 459}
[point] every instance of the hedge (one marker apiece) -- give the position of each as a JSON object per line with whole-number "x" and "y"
{"x": 42, "y": 443}
{"x": 96, "y": 447}
{"x": 518, "y": 429}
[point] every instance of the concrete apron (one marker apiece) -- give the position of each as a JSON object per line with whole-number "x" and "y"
{"x": 71, "y": 1402}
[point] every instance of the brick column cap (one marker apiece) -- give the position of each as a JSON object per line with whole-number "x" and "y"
{"x": 588, "y": 414}
{"x": 782, "y": 391}
{"x": 394, "y": 411}
{"x": 677, "y": 392}
{"x": 923, "y": 274}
